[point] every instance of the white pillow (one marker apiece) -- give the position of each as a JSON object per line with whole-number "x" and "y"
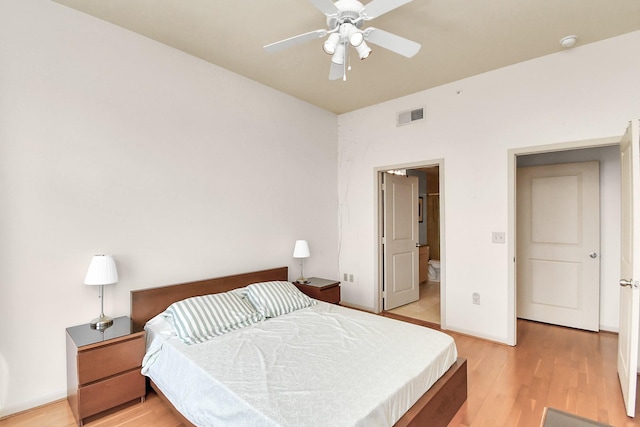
{"x": 198, "y": 319}
{"x": 272, "y": 299}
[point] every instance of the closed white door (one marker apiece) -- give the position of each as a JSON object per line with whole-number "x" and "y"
{"x": 629, "y": 265}
{"x": 558, "y": 244}
{"x": 400, "y": 238}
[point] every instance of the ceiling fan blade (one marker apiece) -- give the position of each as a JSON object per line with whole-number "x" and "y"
{"x": 295, "y": 40}
{"x": 392, "y": 42}
{"x": 325, "y": 6}
{"x": 379, "y": 7}
{"x": 336, "y": 71}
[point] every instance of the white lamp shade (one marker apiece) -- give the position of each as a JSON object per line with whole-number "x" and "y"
{"x": 301, "y": 249}
{"x": 102, "y": 271}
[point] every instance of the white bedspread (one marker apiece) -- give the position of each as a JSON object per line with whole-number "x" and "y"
{"x": 324, "y": 365}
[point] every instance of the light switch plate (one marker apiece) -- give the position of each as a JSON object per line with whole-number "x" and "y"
{"x": 497, "y": 237}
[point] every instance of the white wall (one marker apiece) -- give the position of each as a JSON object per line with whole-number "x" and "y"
{"x": 585, "y": 93}
{"x": 113, "y": 143}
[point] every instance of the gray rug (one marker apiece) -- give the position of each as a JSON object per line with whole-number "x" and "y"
{"x": 556, "y": 418}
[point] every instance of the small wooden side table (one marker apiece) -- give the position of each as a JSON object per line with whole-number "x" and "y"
{"x": 103, "y": 367}
{"x": 321, "y": 289}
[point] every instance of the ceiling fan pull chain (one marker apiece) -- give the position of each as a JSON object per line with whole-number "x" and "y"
{"x": 346, "y": 59}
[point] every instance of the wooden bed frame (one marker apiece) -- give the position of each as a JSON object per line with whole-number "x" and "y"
{"x": 435, "y": 408}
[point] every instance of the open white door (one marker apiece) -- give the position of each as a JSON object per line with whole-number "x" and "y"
{"x": 629, "y": 267}
{"x": 400, "y": 238}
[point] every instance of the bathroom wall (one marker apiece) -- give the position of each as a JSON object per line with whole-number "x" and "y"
{"x": 432, "y": 210}
{"x": 422, "y": 192}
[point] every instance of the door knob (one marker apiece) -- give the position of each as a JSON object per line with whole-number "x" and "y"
{"x": 593, "y": 255}
{"x": 624, "y": 282}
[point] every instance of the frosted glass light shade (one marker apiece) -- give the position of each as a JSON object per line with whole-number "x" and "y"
{"x": 363, "y": 50}
{"x": 329, "y": 46}
{"x": 356, "y": 37}
{"x": 338, "y": 56}
{"x": 102, "y": 271}
{"x": 301, "y": 249}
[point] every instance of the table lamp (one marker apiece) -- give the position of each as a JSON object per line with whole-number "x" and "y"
{"x": 301, "y": 250}
{"x": 102, "y": 271}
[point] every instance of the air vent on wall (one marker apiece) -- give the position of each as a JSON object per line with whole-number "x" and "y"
{"x": 410, "y": 116}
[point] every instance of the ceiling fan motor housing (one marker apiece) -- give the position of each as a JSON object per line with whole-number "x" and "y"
{"x": 350, "y": 11}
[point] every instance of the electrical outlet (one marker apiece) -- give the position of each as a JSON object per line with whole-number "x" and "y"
{"x": 351, "y": 278}
{"x": 476, "y": 298}
{"x": 345, "y": 277}
{"x": 497, "y": 237}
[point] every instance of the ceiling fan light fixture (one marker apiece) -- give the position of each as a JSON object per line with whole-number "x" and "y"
{"x": 356, "y": 37}
{"x": 345, "y": 21}
{"x": 338, "y": 56}
{"x": 330, "y": 45}
{"x": 363, "y": 50}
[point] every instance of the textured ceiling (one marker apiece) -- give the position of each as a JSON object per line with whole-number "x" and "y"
{"x": 459, "y": 38}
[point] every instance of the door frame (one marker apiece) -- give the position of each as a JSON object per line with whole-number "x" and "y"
{"x": 378, "y": 220}
{"x": 512, "y": 155}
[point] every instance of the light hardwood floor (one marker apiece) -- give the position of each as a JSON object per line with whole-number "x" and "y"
{"x": 427, "y": 307}
{"x": 567, "y": 369}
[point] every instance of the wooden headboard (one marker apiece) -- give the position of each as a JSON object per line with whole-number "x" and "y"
{"x": 147, "y": 303}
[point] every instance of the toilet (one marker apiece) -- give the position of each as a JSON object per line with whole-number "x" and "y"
{"x": 434, "y": 270}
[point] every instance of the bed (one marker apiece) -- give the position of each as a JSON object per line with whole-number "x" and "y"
{"x": 210, "y": 370}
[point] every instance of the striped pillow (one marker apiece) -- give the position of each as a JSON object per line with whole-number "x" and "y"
{"x": 198, "y": 319}
{"x": 275, "y": 298}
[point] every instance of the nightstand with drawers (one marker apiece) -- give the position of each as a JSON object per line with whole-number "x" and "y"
{"x": 321, "y": 289}
{"x": 103, "y": 367}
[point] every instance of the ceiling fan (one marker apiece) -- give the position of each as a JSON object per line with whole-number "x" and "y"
{"x": 345, "y": 19}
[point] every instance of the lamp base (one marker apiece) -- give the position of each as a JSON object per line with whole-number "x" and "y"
{"x": 302, "y": 280}
{"x": 101, "y": 323}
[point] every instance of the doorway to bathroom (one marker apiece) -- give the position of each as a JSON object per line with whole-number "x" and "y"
{"x": 426, "y": 305}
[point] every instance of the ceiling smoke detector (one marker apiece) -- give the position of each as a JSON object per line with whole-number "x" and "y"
{"x": 568, "y": 41}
